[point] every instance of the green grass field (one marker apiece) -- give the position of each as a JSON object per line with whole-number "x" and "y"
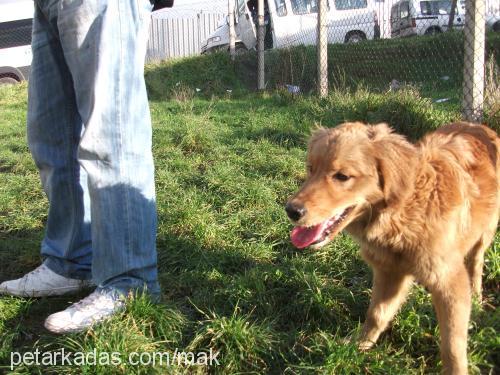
{"x": 232, "y": 282}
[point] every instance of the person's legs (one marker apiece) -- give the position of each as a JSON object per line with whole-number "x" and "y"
{"x": 99, "y": 48}
{"x": 54, "y": 128}
{"x": 104, "y": 44}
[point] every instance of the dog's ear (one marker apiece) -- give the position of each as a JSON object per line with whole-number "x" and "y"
{"x": 318, "y": 134}
{"x": 396, "y": 163}
{"x": 378, "y": 131}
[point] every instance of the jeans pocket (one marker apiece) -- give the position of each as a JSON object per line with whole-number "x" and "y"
{"x": 79, "y": 22}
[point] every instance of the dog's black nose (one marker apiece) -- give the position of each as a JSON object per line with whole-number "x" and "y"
{"x": 295, "y": 211}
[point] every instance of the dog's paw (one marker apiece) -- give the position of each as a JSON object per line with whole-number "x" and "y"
{"x": 365, "y": 345}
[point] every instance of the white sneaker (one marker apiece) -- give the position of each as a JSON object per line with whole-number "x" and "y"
{"x": 43, "y": 282}
{"x": 92, "y": 309}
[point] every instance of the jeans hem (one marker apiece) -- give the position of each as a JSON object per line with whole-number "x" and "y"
{"x": 56, "y": 266}
{"x": 135, "y": 289}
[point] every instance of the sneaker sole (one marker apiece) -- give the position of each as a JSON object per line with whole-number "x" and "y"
{"x": 73, "y": 329}
{"x": 44, "y": 293}
{"x": 62, "y": 330}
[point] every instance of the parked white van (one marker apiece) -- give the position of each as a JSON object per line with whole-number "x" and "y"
{"x": 294, "y": 22}
{"x": 423, "y": 17}
{"x": 16, "y": 18}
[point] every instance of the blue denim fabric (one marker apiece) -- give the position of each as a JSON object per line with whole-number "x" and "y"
{"x": 89, "y": 131}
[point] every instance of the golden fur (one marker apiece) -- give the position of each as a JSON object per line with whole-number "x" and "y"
{"x": 424, "y": 212}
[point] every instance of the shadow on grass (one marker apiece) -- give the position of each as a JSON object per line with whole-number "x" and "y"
{"x": 288, "y": 288}
{"x": 19, "y": 252}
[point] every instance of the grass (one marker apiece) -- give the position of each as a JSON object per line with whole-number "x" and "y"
{"x": 433, "y": 64}
{"x": 226, "y": 161}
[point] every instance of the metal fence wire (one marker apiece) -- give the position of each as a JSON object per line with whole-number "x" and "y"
{"x": 174, "y": 34}
{"x": 447, "y": 49}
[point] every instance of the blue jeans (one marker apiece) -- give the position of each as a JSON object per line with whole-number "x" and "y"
{"x": 89, "y": 131}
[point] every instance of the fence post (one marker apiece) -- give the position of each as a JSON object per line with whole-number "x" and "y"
{"x": 322, "y": 48}
{"x": 474, "y": 49}
{"x": 232, "y": 34}
{"x": 260, "y": 45}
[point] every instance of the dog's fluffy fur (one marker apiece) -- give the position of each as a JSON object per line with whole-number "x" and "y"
{"x": 424, "y": 212}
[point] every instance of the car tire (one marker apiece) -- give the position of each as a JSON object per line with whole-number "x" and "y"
{"x": 8, "y": 80}
{"x": 354, "y": 37}
{"x": 240, "y": 49}
{"x": 433, "y": 31}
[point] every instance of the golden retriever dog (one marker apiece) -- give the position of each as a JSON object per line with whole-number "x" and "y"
{"x": 424, "y": 212}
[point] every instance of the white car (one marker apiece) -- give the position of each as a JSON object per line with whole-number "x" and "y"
{"x": 16, "y": 19}
{"x": 294, "y": 22}
{"x": 423, "y": 17}
{"x": 493, "y": 22}
{"x": 219, "y": 40}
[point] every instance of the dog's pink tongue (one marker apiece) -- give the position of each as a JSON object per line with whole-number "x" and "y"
{"x": 302, "y": 237}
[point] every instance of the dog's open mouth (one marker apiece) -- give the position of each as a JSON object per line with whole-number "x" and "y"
{"x": 303, "y": 236}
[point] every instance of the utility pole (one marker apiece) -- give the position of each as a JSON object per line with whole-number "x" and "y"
{"x": 322, "y": 48}
{"x": 474, "y": 49}
{"x": 260, "y": 45}
{"x": 232, "y": 34}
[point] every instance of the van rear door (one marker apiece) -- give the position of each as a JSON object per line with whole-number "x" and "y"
{"x": 245, "y": 27}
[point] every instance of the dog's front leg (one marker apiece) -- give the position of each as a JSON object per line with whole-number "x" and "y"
{"x": 388, "y": 293}
{"x": 452, "y": 302}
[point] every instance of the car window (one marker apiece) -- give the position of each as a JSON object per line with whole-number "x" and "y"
{"x": 280, "y": 7}
{"x": 405, "y": 9}
{"x": 304, "y": 6}
{"x": 350, "y": 4}
{"x": 434, "y": 8}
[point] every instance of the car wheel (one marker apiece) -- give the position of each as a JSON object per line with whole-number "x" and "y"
{"x": 7, "y": 80}
{"x": 433, "y": 31}
{"x": 240, "y": 50}
{"x": 355, "y": 37}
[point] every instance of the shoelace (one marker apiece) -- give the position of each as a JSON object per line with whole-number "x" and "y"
{"x": 103, "y": 300}
{"x": 34, "y": 272}
{"x": 86, "y": 302}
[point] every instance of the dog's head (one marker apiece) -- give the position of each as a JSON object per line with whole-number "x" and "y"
{"x": 350, "y": 169}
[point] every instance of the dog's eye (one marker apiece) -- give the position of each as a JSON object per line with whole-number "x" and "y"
{"x": 340, "y": 177}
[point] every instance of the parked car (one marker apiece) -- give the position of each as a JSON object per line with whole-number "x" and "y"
{"x": 417, "y": 17}
{"x": 16, "y": 19}
{"x": 294, "y": 22}
{"x": 219, "y": 40}
{"x": 493, "y": 22}
{"x": 423, "y": 17}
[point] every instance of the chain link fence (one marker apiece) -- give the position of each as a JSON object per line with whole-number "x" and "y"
{"x": 15, "y": 49}
{"x": 447, "y": 49}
